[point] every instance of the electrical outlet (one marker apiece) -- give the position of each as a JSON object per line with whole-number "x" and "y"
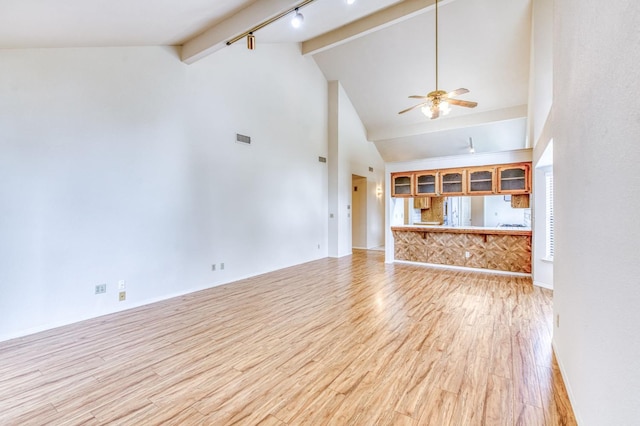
{"x": 122, "y": 284}
{"x": 122, "y": 296}
{"x": 557, "y": 320}
{"x": 213, "y": 267}
{"x": 101, "y": 288}
{"x": 221, "y": 266}
{"x": 467, "y": 254}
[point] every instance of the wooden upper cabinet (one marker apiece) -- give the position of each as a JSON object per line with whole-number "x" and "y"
{"x": 514, "y": 179}
{"x": 452, "y": 182}
{"x": 481, "y": 181}
{"x": 426, "y": 184}
{"x": 402, "y": 185}
{"x": 422, "y": 203}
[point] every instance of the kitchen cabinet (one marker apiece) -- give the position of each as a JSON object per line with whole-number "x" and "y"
{"x": 507, "y": 179}
{"x": 426, "y": 183}
{"x": 481, "y": 181}
{"x": 514, "y": 179}
{"x": 520, "y": 201}
{"x": 402, "y": 185}
{"x": 422, "y": 203}
{"x": 452, "y": 182}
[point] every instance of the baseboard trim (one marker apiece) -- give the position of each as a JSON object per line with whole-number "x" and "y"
{"x": 567, "y": 384}
{"x": 74, "y": 320}
{"x": 543, "y": 285}
{"x": 464, "y": 268}
{"x": 133, "y": 305}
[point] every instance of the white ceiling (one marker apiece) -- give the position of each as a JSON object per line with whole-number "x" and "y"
{"x": 491, "y": 137}
{"x": 484, "y": 47}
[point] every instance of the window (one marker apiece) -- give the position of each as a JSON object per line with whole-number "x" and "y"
{"x": 548, "y": 178}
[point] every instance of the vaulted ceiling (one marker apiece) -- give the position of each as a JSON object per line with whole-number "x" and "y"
{"x": 381, "y": 51}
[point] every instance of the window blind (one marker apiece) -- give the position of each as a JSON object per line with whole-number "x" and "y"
{"x": 548, "y": 177}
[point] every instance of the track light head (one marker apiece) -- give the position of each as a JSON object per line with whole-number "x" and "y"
{"x": 297, "y": 19}
{"x": 296, "y": 22}
{"x": 251, "y": 41}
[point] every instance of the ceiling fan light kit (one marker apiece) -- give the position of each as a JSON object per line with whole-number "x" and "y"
{"x": 437, "y": 102}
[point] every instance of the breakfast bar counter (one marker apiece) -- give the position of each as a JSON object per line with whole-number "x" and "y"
{"x": 500, "y": 249}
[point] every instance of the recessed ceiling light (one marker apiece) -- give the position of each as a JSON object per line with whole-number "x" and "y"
{"x": 351, "y": 1}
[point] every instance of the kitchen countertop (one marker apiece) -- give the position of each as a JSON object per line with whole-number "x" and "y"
{"x": 464, "y": 229}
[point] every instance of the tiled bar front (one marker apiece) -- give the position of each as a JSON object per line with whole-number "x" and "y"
{"x": 473, "y": 247}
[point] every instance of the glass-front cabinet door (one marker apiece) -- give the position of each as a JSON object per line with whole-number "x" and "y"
{"x": 514, "y": 179}
{"x": 426, "y": 183}
{"x": 401, "y": 184}
{"x": 452, "y": 182}
{"x": 481, "y": 181}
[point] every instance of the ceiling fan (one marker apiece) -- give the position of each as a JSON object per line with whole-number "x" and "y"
{"x": 437, "y": 102}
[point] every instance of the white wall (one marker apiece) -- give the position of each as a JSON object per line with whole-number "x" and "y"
{"x": 120, "y": 163}
{"x": 350, "y": 153}
{"x": 541, "y": 65}
{"x": 595, "y": 159}
{"x": 498, "y": 212}
{"x": 540, "y": 129}
{"x": 375, "y": 209}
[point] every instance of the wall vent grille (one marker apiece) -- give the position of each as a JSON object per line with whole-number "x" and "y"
{"x": 322, "y": 159}
{"x": 243, "y": 139}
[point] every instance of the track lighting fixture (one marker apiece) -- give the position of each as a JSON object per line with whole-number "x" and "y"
{"x": 251, "y": 41}
{"x": 296, "y": 22}
{"x": 297, "y": 19}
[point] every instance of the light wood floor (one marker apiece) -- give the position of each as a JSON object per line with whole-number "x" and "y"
{"x": 348, "y": 341}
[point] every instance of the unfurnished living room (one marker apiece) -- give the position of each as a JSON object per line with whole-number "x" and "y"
{"x": 345, "y": 212}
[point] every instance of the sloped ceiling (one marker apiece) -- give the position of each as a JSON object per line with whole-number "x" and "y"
{"x": 383, "y": 51}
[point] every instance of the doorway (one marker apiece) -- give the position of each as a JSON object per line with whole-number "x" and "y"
{"x": 358, "y": 212}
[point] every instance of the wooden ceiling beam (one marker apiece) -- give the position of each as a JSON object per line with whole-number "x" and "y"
{"x": 216, "y": 37}
{"x": 376, "y": 21}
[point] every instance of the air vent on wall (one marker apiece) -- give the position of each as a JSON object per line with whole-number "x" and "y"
{"x": 322, "y": 159}
{"x": 371, "y": 169}
{"x": 243, "y": 139}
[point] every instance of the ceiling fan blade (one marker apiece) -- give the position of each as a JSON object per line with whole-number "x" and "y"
{"x": 418, "y": 97}
{"x": 462, "y": 103}
{"x": 413, "y": 107}
{"x": 457, "y": 92}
